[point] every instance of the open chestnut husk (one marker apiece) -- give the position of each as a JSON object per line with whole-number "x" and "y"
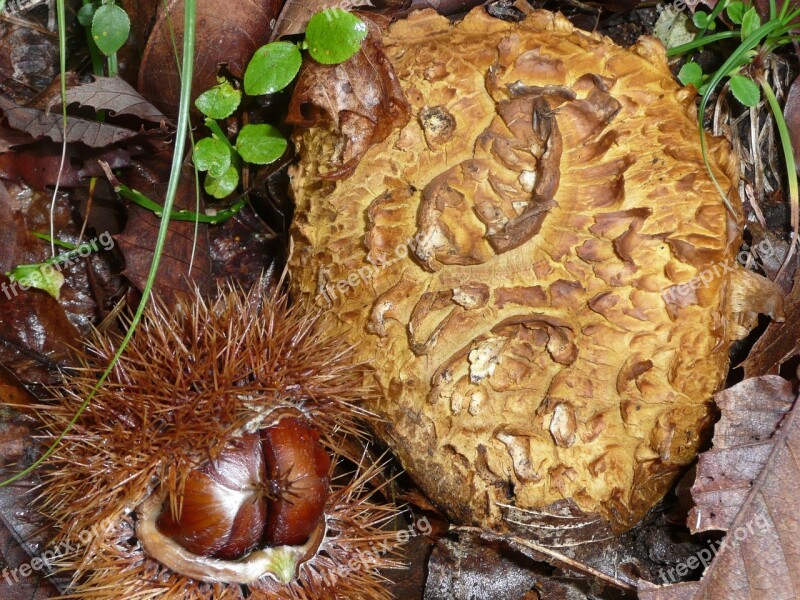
{"x": 213, "y": 463}
{"x": 257, "y": 509}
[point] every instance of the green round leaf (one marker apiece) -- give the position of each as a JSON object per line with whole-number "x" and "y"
{"x": 750, "y": 22}
{"x": 222, "y": 187}
{"x": 272, "y": 68}
{"x": 220, "y": 101}
{"x": 745, "y": 90}
{"x": 735, "y": 11}
{"x": 334, "y": 35}
{"x": 700, "y": 19}
{"x": 212, "y": 155}
{"x": 260, "y": 144}
{"x": 692, "y": 73}
{"x": 86, "y": 14}
{"x": 110, "y": 28}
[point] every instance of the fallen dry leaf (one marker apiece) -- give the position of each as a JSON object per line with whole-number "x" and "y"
{"x": 19, "y": 539}
{"x": 748, "y": 485}
{"x": 41, "y": 124}
{"x": 35, "y": 329}
{"x": 184, "y": 247}
{"x": 296, "y": 13}
{"x": 360, "y": 99}
{"x": 780, "y": 342}
{"x": 228, "y": 36}
{"x": 115, "y": 95}
{"x": 694, "y": 4}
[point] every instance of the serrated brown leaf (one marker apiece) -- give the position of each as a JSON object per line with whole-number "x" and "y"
{"x": 41, "y": 124}
{"x": 116, "y": 96}
{"x": 759, "y": 508}
{"x": 695, "y": 5}
{"x": 751, "y": 413}
{"x": 780, "y": 341}
{"x": 229, "y": 36}
{"x": 361, "y": 99}
{"x": 184, "y": 248}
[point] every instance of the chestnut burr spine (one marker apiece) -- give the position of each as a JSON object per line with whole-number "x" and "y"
{"x": 194, "y": 375}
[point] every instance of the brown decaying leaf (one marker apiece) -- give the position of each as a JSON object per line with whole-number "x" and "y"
{"x": 244, "y": 247}
{"x": 696, "y": 4}
{"x": 465, "y": 566}
{"x": 791, "y": 112}
{"x": 751, "y": 412}
{"x": 760, "y": 556}
{"x": 115, "y": 95}
{"x": 780, "y": 342}
{"x": 41, "y": 124}
{"x": 227, "y": 35}
{"x": 184, "y": 248}
{"x": 296, "y": 13}
{"x": 11, "y": 137}
{"x": 360, "y": 99}
{"x": 35, "y": 329}
{"x": 38, "y": 165}
{"x": 19, "y": 541}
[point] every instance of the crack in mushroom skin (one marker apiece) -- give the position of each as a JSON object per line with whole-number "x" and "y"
{"x": 550, "y": 192}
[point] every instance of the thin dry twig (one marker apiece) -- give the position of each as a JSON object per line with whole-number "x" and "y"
{"x": 560, "y": 559}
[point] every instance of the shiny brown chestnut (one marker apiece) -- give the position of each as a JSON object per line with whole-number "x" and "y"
{"x": 223, "y": 508}
{"x": 264, "y": 489}
{"x": 298, "y": 469}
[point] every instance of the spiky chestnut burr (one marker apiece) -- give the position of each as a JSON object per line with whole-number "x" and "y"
{"x": 206, "y": 467}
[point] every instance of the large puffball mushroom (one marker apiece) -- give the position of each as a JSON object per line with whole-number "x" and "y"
{"x": 536, "y": 265}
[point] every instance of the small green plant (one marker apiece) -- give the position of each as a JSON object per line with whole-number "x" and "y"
{"x": 108, "y": 26}
{"x": 47, "y": 275}
{"x": 257, "y": 144}
{"x": 332, "y": 37}
{"x": 746, "y": 79}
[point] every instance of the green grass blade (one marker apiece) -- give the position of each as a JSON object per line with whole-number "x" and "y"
{"x": 791, "y": 169}
{"x": 700, "y": 42}
{"x": 735, "y": 60}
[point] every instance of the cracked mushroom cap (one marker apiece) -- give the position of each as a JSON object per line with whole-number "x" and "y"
{"x": 533, "y": 265}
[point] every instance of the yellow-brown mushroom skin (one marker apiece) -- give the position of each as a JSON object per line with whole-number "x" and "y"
{"x": 549, "y": 346}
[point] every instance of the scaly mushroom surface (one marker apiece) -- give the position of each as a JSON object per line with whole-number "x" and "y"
{"x": 537, "y": 266}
